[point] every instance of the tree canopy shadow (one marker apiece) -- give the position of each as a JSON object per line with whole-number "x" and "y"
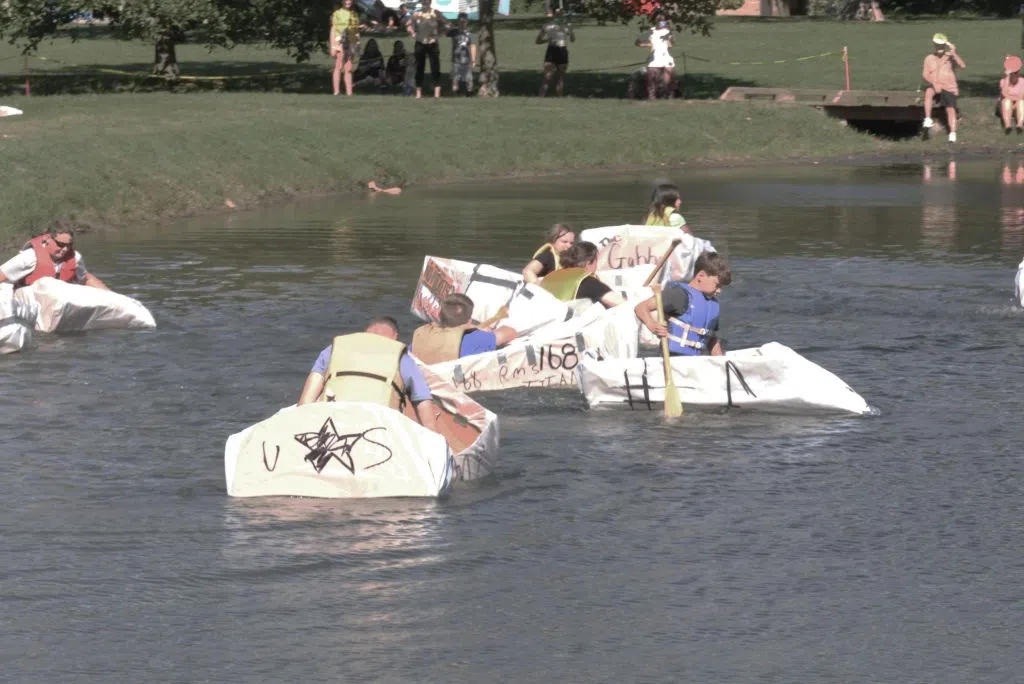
{"x": 288, "y": 77}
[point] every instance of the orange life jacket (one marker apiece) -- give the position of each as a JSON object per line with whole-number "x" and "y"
{"x": 45, "y": 267}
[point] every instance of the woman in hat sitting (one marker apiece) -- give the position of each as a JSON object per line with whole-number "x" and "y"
{"x": 1011, "y": 94}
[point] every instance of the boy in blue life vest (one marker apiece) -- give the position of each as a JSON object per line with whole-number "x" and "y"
{"x": 691, "y": 309}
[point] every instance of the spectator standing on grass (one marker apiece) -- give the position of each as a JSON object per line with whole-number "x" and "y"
{"x": 660, "y": 65}
{"x": 1011, "y": 94}
{"x": 426, "y": 26}
{"x": 463, "y": 55}
{"x": 940, "y": 76}
{"x": 344, "y": 44}
{"x": 557, "y": 33}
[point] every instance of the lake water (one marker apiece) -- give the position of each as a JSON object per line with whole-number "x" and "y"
{"x": 610, "y": 546}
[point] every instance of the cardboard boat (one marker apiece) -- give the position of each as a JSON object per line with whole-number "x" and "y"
{"x": 362, "y": 450}
{"x": 771, "y": 377}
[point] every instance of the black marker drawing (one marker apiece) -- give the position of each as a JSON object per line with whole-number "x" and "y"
{"x": 327, "y": 444}
{"x": 277, "y": 454}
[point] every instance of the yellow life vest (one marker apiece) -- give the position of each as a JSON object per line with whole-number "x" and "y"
{"x": 365, "y": 367}
{"x": 565, "y": 282}
{"x": 548, "y": 247}
{"x": 432, "y": 343}
{"x": 665, "y": 219}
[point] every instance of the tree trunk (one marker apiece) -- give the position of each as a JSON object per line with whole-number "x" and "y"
{"x": 165, "y": 59}
{"x": 488, "y": 53}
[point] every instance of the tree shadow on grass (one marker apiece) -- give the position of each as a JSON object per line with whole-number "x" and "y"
{"x": 288, "y": 77}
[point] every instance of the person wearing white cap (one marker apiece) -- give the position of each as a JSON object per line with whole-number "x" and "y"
{"x": 940, "y": 75}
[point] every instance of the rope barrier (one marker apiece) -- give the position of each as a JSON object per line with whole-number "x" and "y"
{"x": 146, "y": 74}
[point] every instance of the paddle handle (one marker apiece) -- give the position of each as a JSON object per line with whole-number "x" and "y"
{"x": 661, "y": 264}
{"x": 673, "y": 405}
{"x": 490, "y": 322}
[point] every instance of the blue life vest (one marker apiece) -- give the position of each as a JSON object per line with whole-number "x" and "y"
{"x": 688, "y": 334}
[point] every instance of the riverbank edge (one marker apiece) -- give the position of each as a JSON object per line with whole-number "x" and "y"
{"x": 280, "y": 199}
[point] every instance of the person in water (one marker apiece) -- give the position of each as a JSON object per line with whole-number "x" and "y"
{"x": 50, "y": 255}
{"x": 455, "y": 336}
{"x": 370, "y": 366}
{"x": 576, "y": 279}
{"x": 560, "y": 237}
{"x": 691, "y": 309}
{"x": 664, "y": 208}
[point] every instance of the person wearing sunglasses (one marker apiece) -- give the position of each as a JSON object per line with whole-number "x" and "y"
{"x": 49, "y": 255}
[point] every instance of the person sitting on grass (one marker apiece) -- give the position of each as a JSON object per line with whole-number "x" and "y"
{"x": 940, "y": 76}
{"x": 371, "y": 66}
{"x": 1011, "y": 94}
{"x": 397, "y": 64}
{"x": 691, "y": 309}
{"x": 455, "y": 336}
{"x": 576, "y": 279}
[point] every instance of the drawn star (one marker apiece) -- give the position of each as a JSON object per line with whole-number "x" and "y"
{"x": 327, "y": 444}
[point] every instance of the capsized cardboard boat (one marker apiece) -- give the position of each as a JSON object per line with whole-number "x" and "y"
{"x": 360, "y": 450}
{"x": 637, "y": 249}
{"x": 771, "y": 378}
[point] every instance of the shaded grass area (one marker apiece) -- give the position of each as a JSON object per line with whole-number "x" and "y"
{"x": 762, "y": 52}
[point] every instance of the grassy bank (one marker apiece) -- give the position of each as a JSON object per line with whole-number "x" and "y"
{"x": 797, "y": 53}
{"x": 115, "y": 159}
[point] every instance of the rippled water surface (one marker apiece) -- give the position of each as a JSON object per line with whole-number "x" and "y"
{"x": 610, "y": 546}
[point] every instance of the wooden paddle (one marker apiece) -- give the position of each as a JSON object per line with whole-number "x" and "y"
{"x": 661, "y": 263}
{"x": 490, "y": 322}
{"x": 673, "y": 406}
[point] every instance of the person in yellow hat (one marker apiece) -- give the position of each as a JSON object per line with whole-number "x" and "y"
{"x": 940, "y": 78}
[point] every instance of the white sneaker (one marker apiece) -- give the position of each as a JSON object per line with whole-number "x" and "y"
{"x": 928, "y": 123}
{"x": 952, "y": 137}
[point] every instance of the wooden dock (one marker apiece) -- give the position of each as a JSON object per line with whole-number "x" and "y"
{"x": 860, "y": 106}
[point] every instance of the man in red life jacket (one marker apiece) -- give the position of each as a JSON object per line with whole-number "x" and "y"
{"x": 49, "y": 255}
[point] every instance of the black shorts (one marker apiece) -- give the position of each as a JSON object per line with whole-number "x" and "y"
{"x": 557, "y": 55}
{"x": 945, "y": 99}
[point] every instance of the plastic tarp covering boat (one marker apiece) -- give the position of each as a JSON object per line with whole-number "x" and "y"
{"x": 1018, "y": 284}
{"x": 630, "y": 247}
{"x": 65, "y": 307}
{"x": 17, "y": 319}
{"x": 772, "y": 378}
{"x": 358, "y": 450}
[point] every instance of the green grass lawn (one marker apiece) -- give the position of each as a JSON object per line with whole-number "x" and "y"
{"x": 115, "y": 159}
{"x": 882, "y": 56}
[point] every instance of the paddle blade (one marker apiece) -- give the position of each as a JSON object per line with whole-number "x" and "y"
{"x": 673, "y": 406}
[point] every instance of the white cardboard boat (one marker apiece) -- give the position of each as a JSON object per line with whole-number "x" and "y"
{"x": 548, "y": 357}
{"x": 17, "y": 320}
{"x": 10, "y": 111}
{"x": 771, "y": 378}
{"x": 637, "y": 249}
{"x": 492, "y": 288}
{"x": 1018, "y": 284}
{"x": 66, "y": 307}
{"x": 359, "y": 450}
